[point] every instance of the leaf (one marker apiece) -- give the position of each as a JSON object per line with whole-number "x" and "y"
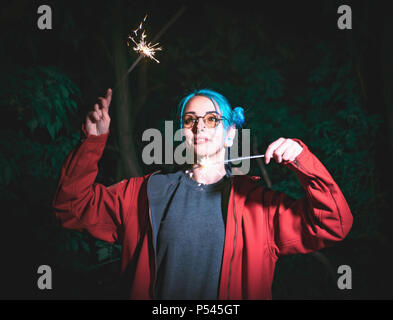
{"x": 73, "y": 104}
{"x": 52, "y": 131}
{"x": 7, "y": 173}
{"x": 32, "y": 124}
{"x": 103, "y": 254}
{"x": 74, "y": 244}
{"x": 64, "y": 92}
{"x": 85, "y": 246}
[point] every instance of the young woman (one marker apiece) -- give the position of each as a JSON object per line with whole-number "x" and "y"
{"x": 201, "y": 233}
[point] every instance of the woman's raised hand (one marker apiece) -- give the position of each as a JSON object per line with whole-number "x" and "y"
{"x": 98, "y": 120}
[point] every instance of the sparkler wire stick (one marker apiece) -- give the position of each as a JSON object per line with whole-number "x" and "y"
{"x": 159, "y": 34}
{"x": 244, "y": 158}
{"x": 205, "y": 162}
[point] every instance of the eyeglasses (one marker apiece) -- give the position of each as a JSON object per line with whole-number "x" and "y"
{"x": 210, "y": 120}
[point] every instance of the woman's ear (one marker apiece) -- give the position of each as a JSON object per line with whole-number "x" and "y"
{"x": 230, "y": 136}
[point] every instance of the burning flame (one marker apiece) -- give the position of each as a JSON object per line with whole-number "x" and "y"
{"x": 141, "y": 46}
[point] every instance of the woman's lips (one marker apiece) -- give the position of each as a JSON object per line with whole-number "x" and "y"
{"x": 200, "y": 140}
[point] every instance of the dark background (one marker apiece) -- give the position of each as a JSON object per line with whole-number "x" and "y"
{"x": 286, "y": 62}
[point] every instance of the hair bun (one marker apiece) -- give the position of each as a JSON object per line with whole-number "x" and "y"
{"x": 238, "y": 116}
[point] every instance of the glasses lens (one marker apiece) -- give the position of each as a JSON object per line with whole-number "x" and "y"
{"x": 188, "y": 121}
{"x": 211, "y": 120}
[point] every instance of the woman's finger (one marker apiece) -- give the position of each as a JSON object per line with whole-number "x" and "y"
{"x": 289, "y": 154}
{"x": 271, "y": 148}
{"x": 293, "y": 150}
{"x": 103, "y": 103}
{"x": 108, "y": 97}
{"x": 96, "y": 116}
{"x": 105, "y": 116}
{"x": 91, "y": 116}
{"x": 97, "y": 110}
{"x": 278, "y": 153}
{"x": 89, "y": 119}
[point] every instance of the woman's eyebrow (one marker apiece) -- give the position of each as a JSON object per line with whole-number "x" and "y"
{"x": 193, "y": 112}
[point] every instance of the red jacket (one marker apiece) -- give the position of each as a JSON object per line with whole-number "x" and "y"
{"x": 261, "y": 224}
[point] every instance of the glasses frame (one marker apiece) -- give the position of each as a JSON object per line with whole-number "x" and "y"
{"x": 195, "y": 121}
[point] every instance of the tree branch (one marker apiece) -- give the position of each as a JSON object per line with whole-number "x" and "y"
{"x": 261, "y": 164}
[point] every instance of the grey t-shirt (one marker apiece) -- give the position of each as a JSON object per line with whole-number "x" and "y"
{"x": 190, "y": 241}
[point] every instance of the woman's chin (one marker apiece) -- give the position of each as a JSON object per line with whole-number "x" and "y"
{"x": 202, "y": 151}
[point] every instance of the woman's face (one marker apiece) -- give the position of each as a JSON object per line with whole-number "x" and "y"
{"x": 203, "y": 140}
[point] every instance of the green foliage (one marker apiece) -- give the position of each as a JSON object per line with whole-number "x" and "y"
{"x": 79, "y": 251}
{"x": 342, "y": 134}
{"x": 36, "y": 103}
{"x": 41, "y": 97}
{"x": 327, "y": 114}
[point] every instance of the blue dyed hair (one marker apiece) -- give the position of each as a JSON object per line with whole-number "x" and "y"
{"x": 232, "y": 117}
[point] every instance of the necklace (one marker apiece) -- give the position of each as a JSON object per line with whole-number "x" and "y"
{"x": 190, "y": 174}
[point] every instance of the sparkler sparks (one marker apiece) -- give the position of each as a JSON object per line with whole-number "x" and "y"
{"x": 141, "y": 46}
{"x": 206, "y": 164}
{"x": 142, "y": 49}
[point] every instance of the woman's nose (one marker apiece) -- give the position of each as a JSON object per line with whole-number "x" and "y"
{"x": 199, "y": 125}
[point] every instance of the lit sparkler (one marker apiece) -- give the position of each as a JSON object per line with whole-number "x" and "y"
{"x": 147, "y": 49}
{"x": 141, "y": 46}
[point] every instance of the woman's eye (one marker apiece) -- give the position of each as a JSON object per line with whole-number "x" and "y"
{"x": 212, "y": 119}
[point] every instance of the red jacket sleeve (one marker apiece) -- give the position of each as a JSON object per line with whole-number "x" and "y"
{"x": 80, "y": 203}
{"x": 321, "y": 218}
